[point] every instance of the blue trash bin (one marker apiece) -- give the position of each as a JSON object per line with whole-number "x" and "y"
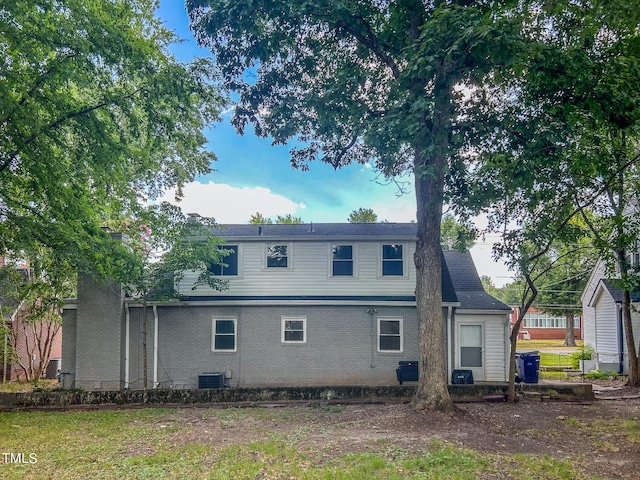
{"x": 527, "y": 366}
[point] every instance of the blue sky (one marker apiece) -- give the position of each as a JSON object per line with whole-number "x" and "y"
{"x": 252, "y": 176}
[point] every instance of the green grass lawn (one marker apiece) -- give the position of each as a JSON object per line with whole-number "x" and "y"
{"x": 525, "y": 345}
{"x": 157, "y": 443}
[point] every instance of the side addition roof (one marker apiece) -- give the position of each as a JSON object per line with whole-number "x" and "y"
{"x": 467, "y": 285}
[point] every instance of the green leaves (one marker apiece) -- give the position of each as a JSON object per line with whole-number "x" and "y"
{"x": 96, "y": 116}
{"x": 159, "y": 245}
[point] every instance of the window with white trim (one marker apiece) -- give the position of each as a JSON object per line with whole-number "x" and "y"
{"x": 294, "y": 329}
{"x": 390, "y": 334}
{"x": 224, "y": 335}
{"x": 543, "y": 320}
{"x": 342, "y": 260}
{"x": 277, "y": 256}
{"x": 392, "y": 260}
{"x": 228, "y": 265}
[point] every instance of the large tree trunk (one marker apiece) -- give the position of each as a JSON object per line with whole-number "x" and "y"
{"x": 528, "y": 296}
{"x": 634, "y": 365}
{"x": 569, "y": 338}
{"x": 432, "y": 392}
{"x": 144, "y": 343}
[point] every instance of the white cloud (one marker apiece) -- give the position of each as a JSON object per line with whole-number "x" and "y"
{"x": 228, "y": 204}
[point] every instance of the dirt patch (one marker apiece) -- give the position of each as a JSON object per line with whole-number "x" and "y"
{"x": 602, "y": 436}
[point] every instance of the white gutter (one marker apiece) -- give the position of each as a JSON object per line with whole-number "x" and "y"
{"x": 155, "y": 347}
{"x": 507, "y": 351}
{"x": 450, "y": 333}
{"x": 127, "y": 322}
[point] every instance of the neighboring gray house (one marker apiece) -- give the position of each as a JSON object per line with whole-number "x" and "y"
{"x": 308, "y": 304}
{"x": 602, "y": 322}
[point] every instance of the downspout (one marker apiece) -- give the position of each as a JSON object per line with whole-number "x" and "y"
{"x": 127, "y": 322}
{"x": 4, "y": 366}
{"x": 373, "y": 333}
{"x": 4, "y": 361}
{"x": 450, "y": 334}
{"x": 155, "y": 347}
{"x": 620, "y": 343}
{"x": 507, "y": 352}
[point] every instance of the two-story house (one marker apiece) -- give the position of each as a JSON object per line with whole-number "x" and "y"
{"x": 308, "y": 304}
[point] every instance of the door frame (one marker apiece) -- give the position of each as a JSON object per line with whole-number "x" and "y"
{"x": 478, "y": 372}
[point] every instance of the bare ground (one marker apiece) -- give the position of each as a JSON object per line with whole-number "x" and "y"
{"x": 602, "y": 435}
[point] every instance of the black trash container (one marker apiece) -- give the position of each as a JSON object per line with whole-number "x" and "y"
{"x": 527, "y": 366}
{"x": 407, "y": 371}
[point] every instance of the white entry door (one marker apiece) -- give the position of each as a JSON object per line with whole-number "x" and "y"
{"x": 471, "y": 350}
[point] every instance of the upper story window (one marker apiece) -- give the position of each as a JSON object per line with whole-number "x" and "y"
{"x": 342, "y": 260}
{"x": 229, "y": 266}
{"x": 277, "y": 256}
{"x": 392, "y": 260}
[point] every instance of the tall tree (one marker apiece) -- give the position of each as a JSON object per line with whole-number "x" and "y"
{"x": 361, "y": 80}
{"x": 37, "y": 289}
{"x": 584, "y": 78}
{"x": 561, "y": 286}
{"x": 565, "y": 136}
{"x": 95, "y": 116}
{"x": 161, "y": 245}
{"x": 456, "y": 235}
{"x": 363, "y": 215}
{"x": 260, "y": 219}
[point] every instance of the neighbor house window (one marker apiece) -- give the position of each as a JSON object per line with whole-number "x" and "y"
{"x": 543, "y": 320}
{"x": 342, "y": 260}
{"x": 294, "y": 329}
{"x": 392, "y": 260}
{"x": 224, "y": 335}
{"x": 390, "y": 334}
{"x": 277, "y": 256}
{"x": 228, "y": 265}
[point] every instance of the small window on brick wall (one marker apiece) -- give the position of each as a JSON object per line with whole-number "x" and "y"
{"x": 224, "y": 335}
{"x": 390, "y": 334}
{"x": 294, "y": 329}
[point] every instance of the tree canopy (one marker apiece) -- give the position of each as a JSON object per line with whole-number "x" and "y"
{"x": 260, "y": 219}
{"x": 363, "y": 215}
{"x": 364, "y": 81}
{"x": 96, "y": 116}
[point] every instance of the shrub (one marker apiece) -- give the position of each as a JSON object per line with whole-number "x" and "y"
{"x": 585, "y": 353}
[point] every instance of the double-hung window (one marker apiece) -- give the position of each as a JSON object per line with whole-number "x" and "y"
{"x": 390, "y": 334}
{"x": 392, "y": 261}
{"x": 277, "y": 256}
{"x": 342, "y": 260}
{"x": 228, "y": 265}
{"x": 224, "y": 335}
{"x": 294, "y": 329}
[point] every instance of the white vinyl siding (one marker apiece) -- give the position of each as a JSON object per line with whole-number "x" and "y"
{"x": 495, "y": 344}
{"x": 311, "y": 275}
{"x": 606, "y": 323}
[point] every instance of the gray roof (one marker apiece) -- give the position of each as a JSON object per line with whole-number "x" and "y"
{"x": 467, "y": 285}
{"x": 315, "y": 230}
{"x": 616, "y": 293}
